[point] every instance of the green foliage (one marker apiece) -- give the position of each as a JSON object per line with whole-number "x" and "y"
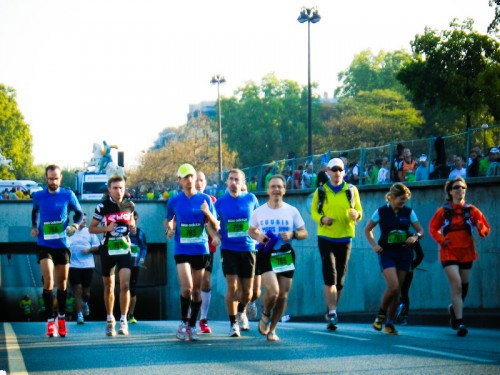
{"x": 371, "y": 118}
{"x": 15, "y": 137}
{"x": 455, "y": 69}
{"x": 268, "y": 121}
{"x": 493, "y": 27}
{"x": 368, "y": 72}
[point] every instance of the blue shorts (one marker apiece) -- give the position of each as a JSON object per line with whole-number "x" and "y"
{"x": 400, "y": 258}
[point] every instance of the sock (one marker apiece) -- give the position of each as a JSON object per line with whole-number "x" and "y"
{"x": 123, "y": 317}
{"x": 48, "y": 300}
{"x": 185, "y": 302}
{"x": 110, "y": 318}
{"x": 389, "y": 322}
{"x": 61, "y": 301}
{"x": 332, "y": 312}
{"x": 232, "y": 319}
{"x": 241, "y": 307}
{"x": 195, "y": 309}
{"x": 465, "y": 290}
{"x": 205, "y": 303}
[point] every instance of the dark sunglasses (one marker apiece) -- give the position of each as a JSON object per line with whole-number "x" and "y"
{"x": 456, "y": 187}
{"x": 336, "y": 169}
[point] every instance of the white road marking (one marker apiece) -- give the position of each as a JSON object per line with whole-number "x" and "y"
{"x": 339, "y": 335}
{"x": 14, "y": 355}
{"x": 451, "y": 355}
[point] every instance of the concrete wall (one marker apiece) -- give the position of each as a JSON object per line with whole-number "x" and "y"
{"x": 364, "y": 284}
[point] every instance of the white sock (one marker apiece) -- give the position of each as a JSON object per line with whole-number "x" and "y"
{"x": 205, "y": 304}
{"x": 123, "y": 317}
{"x": 332, "y": 312}
{"x": 110, "y": 318}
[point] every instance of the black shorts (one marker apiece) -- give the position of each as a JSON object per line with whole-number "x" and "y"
{"x": 240, "y": 263}
{"x": 334, "y": 260}
{"x": 81, "y": 276}
{"x": 59, "y": 256}
{"x": 461, "y": 266}
{"x": 210, "y": 265}
{"x": 197, "y": 262}
{"x": 264, "y": 262}
{"x": 109, "y": 264}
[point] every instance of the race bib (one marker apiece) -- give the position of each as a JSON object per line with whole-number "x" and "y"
{"x": 396, "y": 237}
{"x": 118, "y": 246}
{"x": 282, "y": 262}
{"x": 191, "y": 233}
{"x": 237, "y": 228}
{"x": 53, "y": 230}
{"x": 134, "y": 251}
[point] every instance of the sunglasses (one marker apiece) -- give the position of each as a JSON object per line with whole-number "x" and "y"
{"x": 336, "y": 169}
{"x": 456, "y": 187}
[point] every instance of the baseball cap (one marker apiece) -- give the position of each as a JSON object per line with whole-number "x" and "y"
{"x": 336, "y": 162}
{"x": 494, "y": 150}
{"x": 185, "y": 170}
{"x": 423, "y": 157}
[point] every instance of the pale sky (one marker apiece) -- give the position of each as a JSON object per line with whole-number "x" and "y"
{"x": 123, "y": 70}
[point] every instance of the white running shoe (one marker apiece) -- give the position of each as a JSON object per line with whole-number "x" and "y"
{"x": 110, "y": 328}
{"x": 79, "y": 318}
{"x": 85, "y": 308}
{"x": 234, "y": 331}
{"x": 181, "y": 331}
{"x": 123, "y": 328}
{"x": 192, "y": 334}
{"x": 252, "y": 311}
{"x": 243, "y": 321}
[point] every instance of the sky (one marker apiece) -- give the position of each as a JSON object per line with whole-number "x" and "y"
{"x": 123, "y": 70}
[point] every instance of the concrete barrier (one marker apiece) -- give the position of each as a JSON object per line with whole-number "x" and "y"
{"x": 364, "y": 284}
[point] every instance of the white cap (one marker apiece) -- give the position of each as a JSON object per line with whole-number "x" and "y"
{"x": 423, "y": 157}
{"x": 336, "y": 162}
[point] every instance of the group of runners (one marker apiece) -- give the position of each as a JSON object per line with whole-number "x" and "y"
{"x": 256, "y": 246}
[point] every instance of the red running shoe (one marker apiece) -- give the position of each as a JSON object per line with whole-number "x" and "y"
{"x": 61, "y": 327}
{"x": 204, "y": 328}
{"x": 51, "y": 329}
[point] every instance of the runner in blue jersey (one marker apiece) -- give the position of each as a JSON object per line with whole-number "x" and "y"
{"x": 237, "y": 248}
{"x": 194, "y": 214}
{"x": 275, "y": 225}
{"x": 53, "y": 205}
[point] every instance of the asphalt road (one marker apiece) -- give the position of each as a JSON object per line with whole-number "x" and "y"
{"x": 304, "y": 348}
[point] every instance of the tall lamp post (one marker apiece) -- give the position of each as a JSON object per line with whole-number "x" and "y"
{"x": 484, "y": 127}
{"x": 218, "y": 79}
{"x": 309, "y": 15}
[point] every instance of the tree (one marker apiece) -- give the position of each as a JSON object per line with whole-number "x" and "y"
{"x": 371, "y": 118}
{"x": 368, "y": 72}
{"x": 15, "y": 137}
{"x": 496, "y": 21}
{"x": 448, "y": 70}
{"x": 268, "y": 121}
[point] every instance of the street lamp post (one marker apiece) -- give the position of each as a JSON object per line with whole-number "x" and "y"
{"x": 218, "y": 79}
{"x": 309, "y": 15}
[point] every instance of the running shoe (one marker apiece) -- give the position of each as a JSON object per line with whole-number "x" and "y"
{"x": 243, "y": 322}
{"x": 123, "y": 330}
{"x": 204, "y": 328}
{"x": 252, "y": 310}
{"x": 400, "y": 312}
{"x": 132, "y": 319}
{"x": 332, "y": 320}
{"x": 51, "y": 328}
{"x": 453, "y": 318}
{"x": 391, "y": 330}
{"x": 110, "y": 328}
{"x": 181, "y": 331}
{"x": 234, "y": 331}
{"x": 264, "y": 325}
{"x": 86, "y": 308}
{"x": 462, "y": 330}
{"x": 61, "y": 327}
{"x": 79, "y": 318}
{"x": 379, "y": 321}
{"x": 192, "y": 333}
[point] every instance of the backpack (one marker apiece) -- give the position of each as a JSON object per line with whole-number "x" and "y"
{"x": 449, "y": 213}
{"x": 322, "y": 195}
